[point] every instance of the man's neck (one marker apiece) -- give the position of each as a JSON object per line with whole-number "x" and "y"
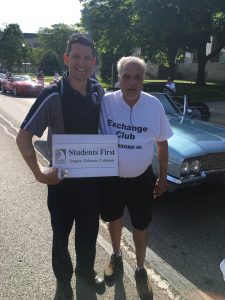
{"x": 78, "y": 85}
{"x": 131, "y": 102}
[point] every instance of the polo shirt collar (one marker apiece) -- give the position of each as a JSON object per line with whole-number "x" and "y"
{"x": 66, "y": 87}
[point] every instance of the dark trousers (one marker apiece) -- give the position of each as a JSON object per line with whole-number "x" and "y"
{"x": 74, "y": 200}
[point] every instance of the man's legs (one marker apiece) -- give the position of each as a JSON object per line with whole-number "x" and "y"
{"x": 140, "y": 242}
{"x": 86, "y": 230}
{"x": 139, "y": 205}
{"x": 115, "y": 231}
{"x": 143, "y": 285}
{"x": 115, "y": 264}
{"x": 62, "y": 221}
{"x": 111, "y": 210}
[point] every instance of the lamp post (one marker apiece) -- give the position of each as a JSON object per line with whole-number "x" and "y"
{"x": 24, "y": 63}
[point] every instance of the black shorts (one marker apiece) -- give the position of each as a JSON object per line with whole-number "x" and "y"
{"x": 136, "y": 193}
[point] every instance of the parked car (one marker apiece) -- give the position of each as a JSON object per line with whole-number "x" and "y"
{"x": 2, "y": 77}
{"x": 196, "y": 150}
{"x": 21, "y": 85}
{"x": 196, "y": 109}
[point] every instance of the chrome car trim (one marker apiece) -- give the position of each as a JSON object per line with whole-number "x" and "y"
{"x": 186, "y": 180}
{"x": 215, "y": 171}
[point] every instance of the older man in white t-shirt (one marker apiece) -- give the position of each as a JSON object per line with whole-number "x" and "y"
{"x": 139, "y": 121}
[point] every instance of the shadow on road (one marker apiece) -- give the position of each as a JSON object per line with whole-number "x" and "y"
{"x": 188, "y": 232}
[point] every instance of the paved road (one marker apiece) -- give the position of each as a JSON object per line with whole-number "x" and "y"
{"x": 25, "y": 240}
{"x": 185, "y": 247}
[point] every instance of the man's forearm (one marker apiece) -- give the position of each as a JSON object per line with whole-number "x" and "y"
{"x": 25, "y": 145}
{"x": 163, "y": 159}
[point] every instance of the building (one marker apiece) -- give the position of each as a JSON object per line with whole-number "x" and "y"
{"x": 214, "y": 69}
{"x": 31, "y": 39}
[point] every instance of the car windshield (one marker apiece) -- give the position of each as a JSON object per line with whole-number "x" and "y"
{"x": 170, "y": 107}
{"x": 21, "y": 78}
{"x": 2, "y": 75}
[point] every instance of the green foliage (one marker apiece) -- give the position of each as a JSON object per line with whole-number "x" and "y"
{"x": 209, "y": 92}
{"x": 162, "y": 28}
{"x": 11, "y": 46}
{"x": 36, "y": 55}
{"x": 111, "y": 23}
{"x": 108, "y": 66}
{"x": 50, "y": 63}
{"x": 55, "y": 38}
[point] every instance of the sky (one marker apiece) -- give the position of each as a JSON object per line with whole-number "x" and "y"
{"x": 32, "y": 15}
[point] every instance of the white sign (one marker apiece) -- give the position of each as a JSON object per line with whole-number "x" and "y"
{"x": 85, "y": 155}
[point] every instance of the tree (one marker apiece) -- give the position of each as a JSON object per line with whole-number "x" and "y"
{"x": 11, "y": 46}
{"x": 55, "y": 38}
{"x": 50, "y": 63}
{"x": 187, "y": 25}
{"x": 111, "y": 24}
{"x": 157, "y": 26}
{"x": 161, "y": 29}
{"x": 205, "y": 19}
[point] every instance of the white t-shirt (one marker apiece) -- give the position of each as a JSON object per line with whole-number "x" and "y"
{"x": 137, "y": 129}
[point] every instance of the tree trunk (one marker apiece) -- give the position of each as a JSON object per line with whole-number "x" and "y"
{"x": 172, "y": 52}
{"x": 200, "y": 79}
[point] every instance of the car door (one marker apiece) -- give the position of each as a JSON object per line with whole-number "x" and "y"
{"x": 7, "y": 84}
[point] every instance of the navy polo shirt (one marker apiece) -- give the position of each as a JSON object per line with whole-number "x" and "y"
{"x": 80, "y": 113}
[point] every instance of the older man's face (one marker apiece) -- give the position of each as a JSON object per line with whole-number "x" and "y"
{"x": 131, "y": 82}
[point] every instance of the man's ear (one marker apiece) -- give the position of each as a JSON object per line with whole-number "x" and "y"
{"x": 65, "y": 58}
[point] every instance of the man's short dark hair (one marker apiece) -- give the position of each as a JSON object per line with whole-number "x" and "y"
{"x": 79, "y": 38}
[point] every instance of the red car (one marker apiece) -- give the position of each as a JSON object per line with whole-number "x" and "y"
{"x": 2, "y": 77}
{"x": 21, "y": 85}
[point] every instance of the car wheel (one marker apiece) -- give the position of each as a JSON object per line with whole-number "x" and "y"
{"x": 3, "y": 89}
{"x": 15, "y": 93}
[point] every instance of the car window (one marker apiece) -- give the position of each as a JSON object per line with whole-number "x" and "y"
{"x": 21, "y": 78}
{"x": 169, "y": 106}
{"x": 2, "y": 75}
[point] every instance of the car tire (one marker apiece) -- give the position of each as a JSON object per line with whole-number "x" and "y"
{"x": 3, "y": 89}
{"x": 15, "y": 92}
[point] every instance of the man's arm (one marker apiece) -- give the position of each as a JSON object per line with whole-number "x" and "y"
{"x": 25, "y": 145}
{"x": 161, "y": 183}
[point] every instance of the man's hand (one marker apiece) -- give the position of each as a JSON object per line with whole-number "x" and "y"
{"x": 160, "y": 187}
{"x": 43, "y": 175}
{"x": 48, "y": 176}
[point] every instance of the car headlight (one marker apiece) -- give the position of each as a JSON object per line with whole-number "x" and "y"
{"x": 195, "y": 166}
{"x": 185, "y": 167}
{"x": 190, "y": 167}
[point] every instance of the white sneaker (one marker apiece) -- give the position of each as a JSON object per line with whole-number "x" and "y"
{"x": 222, "y": 268}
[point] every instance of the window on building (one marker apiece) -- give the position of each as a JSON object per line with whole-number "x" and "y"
{"x": 188, "y": 58}
{"x": 222, "y": 56}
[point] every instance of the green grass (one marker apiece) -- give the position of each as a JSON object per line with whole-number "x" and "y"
{"x": 209, "y": 92}
{"x": 48, "y": 79}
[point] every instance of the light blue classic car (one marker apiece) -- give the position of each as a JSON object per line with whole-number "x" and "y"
{"x": 196, "y": 150}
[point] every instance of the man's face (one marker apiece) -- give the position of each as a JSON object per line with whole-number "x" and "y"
{"x": 80, "y": 62}
{"x": 131, "y": 82}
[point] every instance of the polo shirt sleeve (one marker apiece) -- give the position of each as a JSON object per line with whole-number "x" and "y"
{"x": 37, "y": 119}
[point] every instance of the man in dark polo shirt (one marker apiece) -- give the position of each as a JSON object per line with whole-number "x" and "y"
{"x": 71, "y": 106}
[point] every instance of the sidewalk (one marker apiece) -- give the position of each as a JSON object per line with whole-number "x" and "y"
{"x": 217, "y": 110}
